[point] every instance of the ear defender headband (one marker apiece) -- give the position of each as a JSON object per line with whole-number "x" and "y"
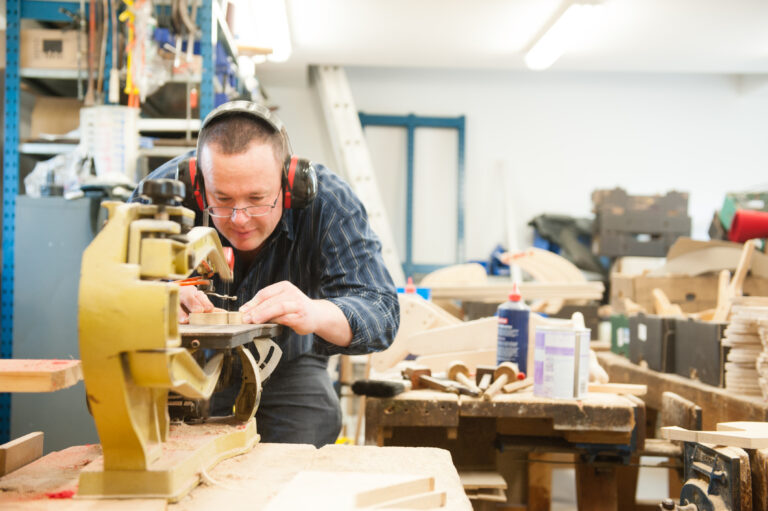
{"x": 299, "y": 180}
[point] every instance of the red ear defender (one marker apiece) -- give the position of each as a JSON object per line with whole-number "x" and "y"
{"x": 299, "y": 183}
{"x": 290, "y": 177}
{"x": 195, "y": 183}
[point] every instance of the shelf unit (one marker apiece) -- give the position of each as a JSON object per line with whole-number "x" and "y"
{"x": 213, "y": 27}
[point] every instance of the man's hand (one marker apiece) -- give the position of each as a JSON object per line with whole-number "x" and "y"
{"x": 285, "y": 304}
{"x": 192, "y": 299}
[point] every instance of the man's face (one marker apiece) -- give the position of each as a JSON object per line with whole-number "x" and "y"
{"x": 251, "y": 178}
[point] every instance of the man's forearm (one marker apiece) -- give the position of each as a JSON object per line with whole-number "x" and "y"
{"x": 332, "y": 324}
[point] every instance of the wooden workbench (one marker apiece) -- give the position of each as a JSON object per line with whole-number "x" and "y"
{"x": 717, "y": 404}
{"x": 472, "y": 430}
{"x": 249, "y": 481}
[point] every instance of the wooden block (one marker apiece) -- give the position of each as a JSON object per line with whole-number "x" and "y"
{"x": 484, "y": 485}
{"x": 209, "y": 318}
{"x": 396, "y": 491}
{"x": 618, "y": 388}
{"x": 509, "y": 388}
{"x": 429, "y": 500}
{"x": 17, "y": 453}
{"x": 235, "y": 318}
{"x": 25, "y": 375}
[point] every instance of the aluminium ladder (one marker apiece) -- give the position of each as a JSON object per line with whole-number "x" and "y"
{"x": 352, "y": 155}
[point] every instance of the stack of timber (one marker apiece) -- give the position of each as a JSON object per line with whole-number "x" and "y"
{"x": 743, "y": 339}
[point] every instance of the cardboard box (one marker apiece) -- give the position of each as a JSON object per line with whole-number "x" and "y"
{"x": 692, "y": 294}
{"x": 699, "y": 352}
{"x": 652, "y": 340}
{"x": 50, "y": 49}
{"x": 54, "y": 116}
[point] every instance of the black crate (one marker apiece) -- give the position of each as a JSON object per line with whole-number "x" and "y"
{"x": 652, "y": 340}
{"x": 699, "y": 353}
{"x": 638, "y": 225}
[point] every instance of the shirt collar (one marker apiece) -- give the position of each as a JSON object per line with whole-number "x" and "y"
{"x": 286, "y": 224}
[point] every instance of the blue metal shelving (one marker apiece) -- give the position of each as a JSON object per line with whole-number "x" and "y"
{"x": 212, "y": 26}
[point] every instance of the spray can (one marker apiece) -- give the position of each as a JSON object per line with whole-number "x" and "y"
{"x": 513, "y": 331}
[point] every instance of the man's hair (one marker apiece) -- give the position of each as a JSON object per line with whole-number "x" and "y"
{"x": 234, "y": 133}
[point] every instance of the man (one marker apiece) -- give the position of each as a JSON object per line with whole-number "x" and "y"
{"x": 318, "y": 270}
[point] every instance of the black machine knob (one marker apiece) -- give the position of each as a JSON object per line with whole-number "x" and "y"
{"x": 667, "y": 504}
{"x": 165, "y": 192}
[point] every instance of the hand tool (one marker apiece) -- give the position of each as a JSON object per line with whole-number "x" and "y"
{"x": 459, "y": 372}
{"x": 506, "y": 372}
{"x": 378, "y": 388}
{"x": 484, "y": 376}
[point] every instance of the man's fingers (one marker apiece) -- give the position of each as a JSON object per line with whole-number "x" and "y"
{"x": 268, "y": 293}
{"x": 270, "y": 310}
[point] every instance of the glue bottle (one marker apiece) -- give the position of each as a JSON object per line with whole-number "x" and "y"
{"x": 513, "y": 331}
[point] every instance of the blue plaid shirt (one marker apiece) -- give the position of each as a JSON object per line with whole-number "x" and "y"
{"x": 329, "y": 251}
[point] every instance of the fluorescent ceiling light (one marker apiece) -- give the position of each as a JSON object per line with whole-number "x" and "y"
{"x": 568, "y": 25}
{"x": 264, "y": 24}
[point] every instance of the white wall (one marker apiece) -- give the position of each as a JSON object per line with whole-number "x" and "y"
{"x": 561, "y": 135}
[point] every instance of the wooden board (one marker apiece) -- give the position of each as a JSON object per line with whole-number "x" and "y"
{"x": 618, "y": 388}
{"x": 479, "y": 334}
{"x": 439, "y": 362}
{"x": 529, "y": 290}
{"x": 717, "y": 404}
{"x": 32, "y": 375}
{"x": 416, "y": 315}
{"x": 248, "y": 481}
{"x": 17, "y": 453}
{"x": 745, "y": 435}
{"x": 348, "y": 490}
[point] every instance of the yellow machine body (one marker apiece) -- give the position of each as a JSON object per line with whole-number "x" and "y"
{"x": 131, "y": 350}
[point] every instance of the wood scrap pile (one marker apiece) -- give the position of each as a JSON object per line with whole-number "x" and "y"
{"x": 744, "y": 340}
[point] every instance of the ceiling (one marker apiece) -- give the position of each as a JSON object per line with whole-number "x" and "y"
{"x": 692, "y": 36}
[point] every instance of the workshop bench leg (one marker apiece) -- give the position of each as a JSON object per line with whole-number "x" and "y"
{"x": 596, "y": 488}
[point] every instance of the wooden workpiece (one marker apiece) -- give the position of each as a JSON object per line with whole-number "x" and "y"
{"x": 21, "y": 451}
{"x": 31, "y": 375}
{"x": 717, "y": 404}
{"x": 216, "y": 318}
{"x": 250, "y": 481}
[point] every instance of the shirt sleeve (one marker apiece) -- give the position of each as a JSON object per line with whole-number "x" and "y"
{"x": 354, "y": 276}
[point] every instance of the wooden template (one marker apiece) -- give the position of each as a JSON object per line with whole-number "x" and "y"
{"x": 746, "y": 435}
{"x": 17, "y": 453}
{"x": 33, "y": 375}
{"x": 216, "y": 318}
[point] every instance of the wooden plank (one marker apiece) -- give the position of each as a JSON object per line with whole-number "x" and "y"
{"x": 474, "y": 479}
{"x": 479, "y": 334}
{"x": 529, "y": 290}
{"x": 717, "y": 404}
{"x": 618, "y": 388}
{"x": 473, "y": 358}
{"x": 746, "y": 438}
{"x": 388, "y": 492}
{"x": 416, "y": 315}
{"x": 17, "y": 453}
{"x": 33, "y": 375}
{"x": 431, "y": 500}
